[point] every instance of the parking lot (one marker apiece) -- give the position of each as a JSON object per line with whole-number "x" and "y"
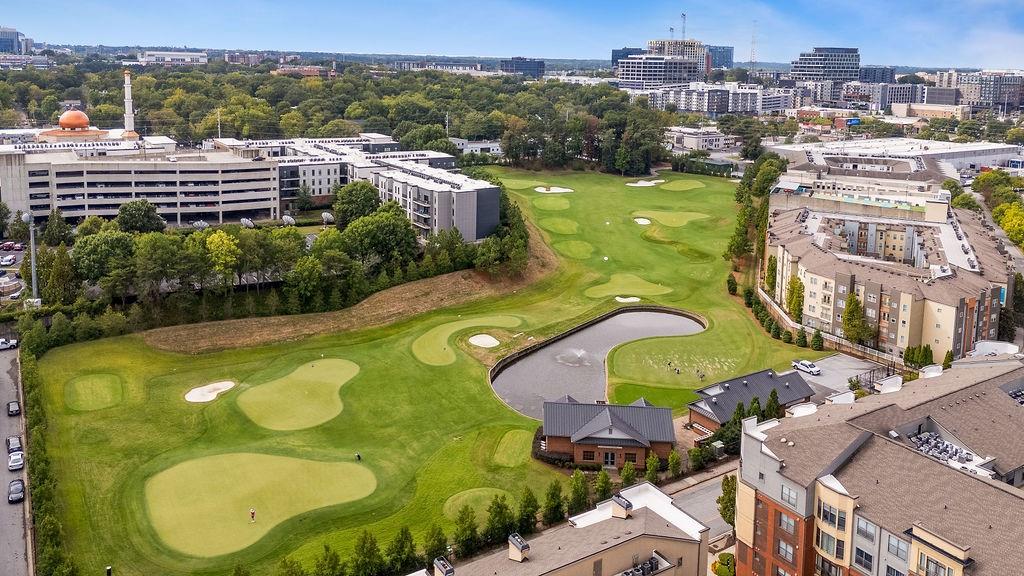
{"x": 12, "y": 516}
{"x": 836, "y": 371}
{"x": 10, "y": 262}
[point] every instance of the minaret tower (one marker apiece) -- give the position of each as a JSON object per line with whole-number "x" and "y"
{"x": 129, "y": 112}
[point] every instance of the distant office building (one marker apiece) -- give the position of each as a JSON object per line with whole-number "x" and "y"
{"x": 11, "y": 41}
{"x": 22, "y": 61}
{"x": 940, "y": 95}
{"x": 243, "y": 58}
{"x": 647, "y": 71}
{"x": 160, "y": 58}
{"x": 877, "y": 74}
{"x": 491, "y": 147}
{"x": 721, "y": 56}
{"x": 620, "y": 53}
{"x": 838, "y": 65}
{"x": 690, "y": 49}
{"x": 529, "y": 67}
{"x": 878, "y": 97}
{"x": 929, "y": 110}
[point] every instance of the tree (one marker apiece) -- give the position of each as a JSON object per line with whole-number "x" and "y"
{"x": 224, "y": 253}
{"x": 91, "y": 225}
{"x": 384, "y": 236}
{"x": 578, "y": 493}
{"x": 290, "y": 567}
{"x": 966, "y": 202}
{"x": 696, "y": 456}
{"x": 466, "y": 537}
{"x": 675, "y": 464}
{"x": 795, "y": 300}
{"x": 817, "y": 341}
{"x": 773, "y": 409}
{"x": 435, "y": 544}
{"x": 157, "y": 257}
{"x": 5, "y": 219}
{"x": 755, "y": 409}
{"x": 727, "y": 500}
{"x": 353, "y": 201}
{"x": 553, "y": 511}
{"x": 139, "y": 216}
{"x": 752, "y": 147}
{"x": 57, "y": 230}
{"x": 18, "y": 228}
{"x": 60, "y": 286}
{"x": 855, "y": 326}
{"x": 329, "y": 563}
{"x": 953, "y": 187}
{"x": 366, "y": 557}
{"x": 526, "y": 519}
{"x": 96, "y": 255}
{"x": 801, "y": 337}
{"x": 61, "y": 332}
{"x": 771, "y": 269}
{"x": 401, "y": 553}
{"x": 500, "y": 521}
{"x": 730, "y": 284}
{"x": 947, "y": 360}
{"x": 603, "y": 486}
{"x": 628, "y": 474}
{"x": 240, "y": 570}
{"x": 304, "y": 198}
{"x": 651, "y": 467}
{"x": 305, "y": 280}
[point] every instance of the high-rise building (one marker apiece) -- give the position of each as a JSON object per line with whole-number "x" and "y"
{"x": 620, "y": 53}
{"x": 11, "y": 41}
{"x": 691, "y": 49}
{"x": 529, "y": 67}
{"x": 877, "y": 74}
{"x": 940, "y": 95}
{"x": 838, "y": 65}
{"x": 721, "y": 56}
{"x": 647, "y": 71}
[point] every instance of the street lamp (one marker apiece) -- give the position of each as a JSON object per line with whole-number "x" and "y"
{"x": 27, "y": 219}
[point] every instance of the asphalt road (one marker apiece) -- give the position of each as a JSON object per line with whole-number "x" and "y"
{"x": 700, "y": 502}
{"x": 12, "y": 516}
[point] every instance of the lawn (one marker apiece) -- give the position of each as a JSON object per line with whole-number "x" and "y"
{"x": 146, "y": 478}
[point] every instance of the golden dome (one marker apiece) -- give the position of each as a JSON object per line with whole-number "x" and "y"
{"x": 73, "y": 120}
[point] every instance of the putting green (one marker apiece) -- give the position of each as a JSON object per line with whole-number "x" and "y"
{"x": 672, "y": 219}
{"x": 93, "y": 392}
{"x": 559, "y": 225}
{"x": 515, "y": 184}
{"x": 306, "y": 397}
{"x": 434, "y": 348}
{"x": 513, "y": 448}
{"x": 681, "y": 185}
{"x": 552, "y": 203}
{"x": 477, "y": 498}
{"x": 626, "y": 284}
{"x": 201, "y": 507}
{"x": 577, "y": 249}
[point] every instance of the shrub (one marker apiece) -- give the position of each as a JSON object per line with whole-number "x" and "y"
{"x": 801, "y": 338}
{"x": 748, "y": 297}
{"x": 787, "y": 337}
{"x": 776, "y": 331}
{"x": 730, "y": 284}
{"x": 817, "y": 341}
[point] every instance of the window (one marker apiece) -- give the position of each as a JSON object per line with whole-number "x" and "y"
{"x": 781, "y": 572}
{"x": 831, "y": 515}
{"x": 831, "y": 545}
{"x": 863, "y": 559}
{"x": 865, "y": 529}
{"x": 630, "y": 457}
{"x": 785, "y": 551}
{"x": 787, "y": 523}
{"x": 588, "y": 455}
{"x": 872, "y": 298}
{"x": 788, "y": 495}
{"x": 930, "y": 567}
{"x": 826, "y": 568}
{"x": 890, "y": 571}
{"x": 898, "y": 548}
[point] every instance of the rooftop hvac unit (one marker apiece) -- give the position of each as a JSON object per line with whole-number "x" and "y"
{"x": 719, "y": 447}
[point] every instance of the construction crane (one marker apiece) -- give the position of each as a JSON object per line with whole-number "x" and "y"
{"x": 682, "y": 33}
{"x": 671, "y": 33}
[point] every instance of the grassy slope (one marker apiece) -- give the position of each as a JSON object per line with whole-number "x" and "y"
{"x": 427, "y": 432}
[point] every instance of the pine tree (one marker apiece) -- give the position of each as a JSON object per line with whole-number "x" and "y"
{"x": 578, "y": 493}
{"x": 603, "y": 486}
{"x": 401, "y": 553}
{"x": 628, "y": 474}
{"x": 651, "y": 467}
{"x": 801, "y": 337}
{"x": 755, "y": 409}
{"x": 528, "y": 507}
{"x": 329, "y": 563}
{"x": 554, "y": 510}
{"x": 727, "y": 500}
{"x": 947, "y": 361}
{"x": 271, "y": 303}
{"x": 366, "y": 557}
{"x": 435, "y": 544}
{"x": 466, "y": 537}
{"x": 675, "y": 464}
{"x": 500, "y": 521}
{"x": 817, "y": 341}
{"x": 772, "y": 409}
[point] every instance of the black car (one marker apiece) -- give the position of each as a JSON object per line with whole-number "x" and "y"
{"x": 15, "y": 491}
{"x": 13, "y": 444}
{"x": 13, "y": 408}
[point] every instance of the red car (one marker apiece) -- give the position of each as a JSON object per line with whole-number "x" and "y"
{"x": 7, "y": 246}
{"x": 18, "y": 247}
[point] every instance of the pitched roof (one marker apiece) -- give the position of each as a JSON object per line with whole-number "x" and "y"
{"x": 719, "y": 401}
{"x": 638, "y": 423}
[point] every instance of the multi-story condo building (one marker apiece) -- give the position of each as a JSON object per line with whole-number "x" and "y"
{"x": 690, "y": 49}
{"x": 837, "y": 65}
{"x": 880, "y": 96}
{"x": 721, "y": 56}
{"x": 1000, "y": 89}
{"x": 877, "y": 74}
{"x": 161, "y": 58}
{"x": 528, "y": 67}
{"x": 940, "y": 95}
{"x": 722, "y": 98}
{"x": 244, "y": 58}
{"x": 620, "y": 53}
{"x": 647, "y": 71}
{"x": 915, "y": 482}
{"x": 638, "y": 531}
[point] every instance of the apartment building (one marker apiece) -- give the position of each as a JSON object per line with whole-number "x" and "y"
{"x": 647, "y": 71}
{"x": 836, "y": 65}
{"x": 880, "y": 96}
{"x": 887, "y": 486}
{"x": 720, "y": 98}
{"x": 638, "y": 531}
{"x": 1000, "y": 89}
{"x": 878, "y": 74}
{"x": 690, "y": 49}
{"x": 721, "y": 56}
{"x": 162, "y": 58}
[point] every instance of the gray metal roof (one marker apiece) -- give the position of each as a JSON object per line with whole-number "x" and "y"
{"x": 639, "y": 421}
{"x": 719, "y": 401}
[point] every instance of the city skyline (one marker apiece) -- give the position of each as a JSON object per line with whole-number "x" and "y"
{"x": 912, "y": 33}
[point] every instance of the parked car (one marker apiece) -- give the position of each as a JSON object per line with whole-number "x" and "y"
{"x": 807, "y": 366}
{"x": 15, "y": 296}
{"x": 8, "y": 260}
{"x": 15, "y": 461}
{"x": 13, "y": 444}
{"x": 18, "y": 247}
{"x": 15, "y": 491}
{"x": 6, "y": 344}
{"x": 6, "y": 245}
{"x": 13, "y": 408}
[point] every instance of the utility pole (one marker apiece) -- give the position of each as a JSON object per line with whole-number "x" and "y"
{"x": 447, "y": 132}
{"x": 218, "y": 122}
{"x": 27, "y": 219}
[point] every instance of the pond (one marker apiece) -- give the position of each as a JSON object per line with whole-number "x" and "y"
{"x": 575, "y": 363}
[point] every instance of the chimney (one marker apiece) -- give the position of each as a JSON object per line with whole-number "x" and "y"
{"x": 129, "y": 112}
{"x": 621, "y": 507}
{"x": 518, "y": 548}
{"x": 442, "y": 567}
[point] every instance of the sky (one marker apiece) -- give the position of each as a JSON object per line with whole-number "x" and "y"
{"x": 937, "y": 33}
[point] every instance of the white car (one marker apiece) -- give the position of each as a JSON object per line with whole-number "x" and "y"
{"x": 806, "y": 366}
{"x": 8, "y": 260}
{"x": 16, "y": 461}
{"x": 6, "y": 344}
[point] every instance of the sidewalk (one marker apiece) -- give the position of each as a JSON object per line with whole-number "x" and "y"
{"x": 714, "y": 473}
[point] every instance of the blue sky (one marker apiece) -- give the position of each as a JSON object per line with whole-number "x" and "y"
{"x": 981, "y": 33}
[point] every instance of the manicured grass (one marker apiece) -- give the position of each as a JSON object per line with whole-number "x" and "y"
{"x": 420, "y": 410}
{"x": 552, "y": 203}
{"x": 434, "y": 347}
{"x": 681, "y": 185}
{"x": 559, "y": 225}
{"x": 672, "y": 219}
{"x": 93, "y": 392}
{"x": 306, "y": 397}
{"x": 201, "y": 507}
{"x": 476, "y": 498}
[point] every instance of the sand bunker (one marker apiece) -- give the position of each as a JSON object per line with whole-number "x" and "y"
{"x": 552, "y": 189}
{"x": 642, "y": 221}
{"x": 483, "y": 340}
{"x": 209, "y": 392}
{"x": 645, "y": 183}
{"x": 626, "y": 299}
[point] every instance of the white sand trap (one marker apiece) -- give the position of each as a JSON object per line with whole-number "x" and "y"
{"x": 552, "y": 190}
{"x": 645, "y": 183}
{"x": 642, "y": 221}
{"x": 483, "y": 340}
{"x": 626, "y": 299}
{"x": 209, "y": 392}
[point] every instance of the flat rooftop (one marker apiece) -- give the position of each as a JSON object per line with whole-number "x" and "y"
{"x": 899, "y": 147}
